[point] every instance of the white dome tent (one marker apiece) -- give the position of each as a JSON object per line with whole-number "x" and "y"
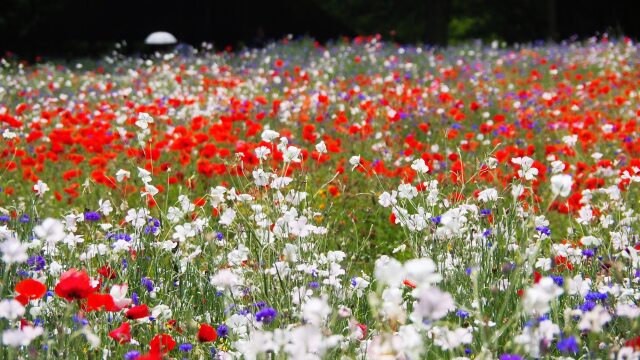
{"x": 160, "y": 38}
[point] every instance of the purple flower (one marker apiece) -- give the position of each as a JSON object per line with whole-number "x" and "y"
{"x": 222, "y": 331}
{"x": 36, "y": 263}
{"x": 185, "y": 347}
{"x": 511, "y": 357}
{"x": 147, "y": 283}
{"x": 131, "y": 355}
{"x": 568, "y": 345}
{"x": 266, "y": 315}
{"x": 91, "y": 216}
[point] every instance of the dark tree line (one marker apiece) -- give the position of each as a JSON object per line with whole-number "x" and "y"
{"x": 90, "y": 27}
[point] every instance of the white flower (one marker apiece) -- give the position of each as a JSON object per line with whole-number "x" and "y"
{"x": 182, "y": 232}
{"x": 448, "y": 339}
{"x": 354, "y": 161}
{"x": 422, "y": 272}
{"x": 389, "y": 271}
{"x": 359, "y": 285}
{"x": 407, "y": 191}
{"x": 144, "y": 175}
{"x": 269, "y": 135}
{"x": 291, "y": 154}
{"x": 149, "y": 190}
{"x": 186, "y": 204}
{"x": 517, "y": 190}
{"x": 262, "y": 152}
{"x": 487, "y": 195}
{"x": 543, "y": 264}
{"x": 627, "y": 310}
{"x": 122, "y": 174}
{"x": 260, "y": 342}
{"x": 526, "y": 170}
{"x": 40, "y": 188}
{"x": 561, "y": 185}
{"x": 570, "y": 140}
{"x": 538, "y": 297}
{"x": 321, "y": 147}
{"x": 420, "y": 166}
{"x": 261, "y": 178}
{"x": 578, "y": 285}
{"x": 595, "y": 319}
{"x": 557, "y": 166}
{"x": 281, "y": 182}
{"x": 13, "y": 251}
{"x": 585, "y": 215}
{"x": 137, "y": 218}
{"x": 216, "y": 195}
{"x": 144, "y": 120}
{"x": 8, "y": 134}
{"x": 385, "y": 199}
{"x": 225, "y": 279}
{"x": 21, "y": 337}
{"x": 93, "y": 339}
{"x": 590, "y": 240}
{"x": 50, "y": 231}
{"x": 104, "y": 206}
{"x": 11, "y": 309}
{"x": 431, "y": 304}
{"x": 227, "y": 217}
{"x": 315, "y": 311}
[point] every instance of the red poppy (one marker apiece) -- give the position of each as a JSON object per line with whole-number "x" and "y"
{"x": 138, "y": 312}
{"x": 107, "y": 272}
{"x": 207, "y": 333}
{"x": 74, "y": 285}
{"x": 31, "y": 289}
{"x": 95, "y": 302}
{"x": 162, "y": 343}
{"x": 122, "y": 334}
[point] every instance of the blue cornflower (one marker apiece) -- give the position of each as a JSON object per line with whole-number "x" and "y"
{"x": 594, "y": 295}
{"x": 436, "y": 219}
{"x": 487, "y": 233}
{"x": 91, "y": 216}
{"x": 147, "y": 283}
{"x": 314, "y": 284}
{"x": 24, "y": 218}
{"x": 568, "y": 345}
{"x": 558, "y": 280}
{"x": 23, "y": 273}
{"x": 260, "y": 304}
{"x": 132, "y": 355}
{"x": 588, "y": 252}
{"x": 185, "y": 347}
{"x": 485, "y": 212}
{"x": 135, "y": 299}
{"x": 462, "y": 314}
{"x": 220, "y": 236}
{"x": 544, "y": 230}
{"x": 222, "y": 331}
{"x": 511, "y": 357}
{"x": 4, "y": 218}
{"x": 36, "y": 262}
{"x": 244, "y": 312}
{"x": 587, "y": 306}
{"x": 266, "y": 315}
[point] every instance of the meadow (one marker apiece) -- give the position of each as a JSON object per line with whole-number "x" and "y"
{"x": 354, "y": 200}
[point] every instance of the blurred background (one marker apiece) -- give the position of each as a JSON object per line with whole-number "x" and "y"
{"x": 69, "y": 28}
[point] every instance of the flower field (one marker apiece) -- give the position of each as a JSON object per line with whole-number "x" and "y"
{"x": 356, "y": 200}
